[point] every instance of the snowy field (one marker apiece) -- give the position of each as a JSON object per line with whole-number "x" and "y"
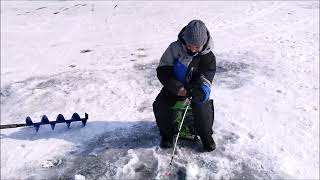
{"x": 100, "y": 57}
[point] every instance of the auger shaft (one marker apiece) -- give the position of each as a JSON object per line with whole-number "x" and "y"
{"x": 12, "y": 126}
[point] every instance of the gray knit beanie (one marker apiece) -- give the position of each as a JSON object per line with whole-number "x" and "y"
{"x": 196, "y": 33}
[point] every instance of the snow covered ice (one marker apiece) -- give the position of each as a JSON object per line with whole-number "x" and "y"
{"x": 100, "y": 57}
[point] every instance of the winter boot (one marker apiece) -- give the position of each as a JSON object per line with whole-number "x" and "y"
{"x": 209, "y": 147}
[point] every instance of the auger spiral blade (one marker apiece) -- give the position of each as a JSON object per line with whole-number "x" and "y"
{"x": 29, "y": 121}
{"x": 52, "y": 124}
{"x": 84, "y": 121}
{"x": 68, "y": 123}
{"x": 36, "y": 126}
{"x": 44, "y": 120}
{"x": 60, "y": 118}
{"x": 75, "y": 117}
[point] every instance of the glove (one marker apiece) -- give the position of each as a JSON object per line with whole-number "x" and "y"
{"x": 200, "y": 91}
{"x": 182, "y": 92}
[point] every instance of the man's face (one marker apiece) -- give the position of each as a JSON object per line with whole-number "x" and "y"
{"x": 193, "y": 48}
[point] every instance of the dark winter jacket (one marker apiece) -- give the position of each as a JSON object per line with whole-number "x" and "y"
{"x": 177, "y": 68}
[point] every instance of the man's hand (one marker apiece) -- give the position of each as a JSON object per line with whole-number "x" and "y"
{"x": 197, "y": 94}
{"x": 182, "y": 92}
{"x": 200, "y": 91}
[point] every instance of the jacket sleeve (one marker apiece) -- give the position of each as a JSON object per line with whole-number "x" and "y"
{"x": 165, "y": 72}
{"x": 207, "y": 71}
{"x": 208, "y": 67}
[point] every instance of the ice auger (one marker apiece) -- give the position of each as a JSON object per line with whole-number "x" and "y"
{"x": 44, "y": 120}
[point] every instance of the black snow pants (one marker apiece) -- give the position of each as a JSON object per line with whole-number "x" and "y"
{"x": 203, "y": 115}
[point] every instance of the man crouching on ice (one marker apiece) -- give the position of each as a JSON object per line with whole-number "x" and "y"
{"x": 187, "y": 68}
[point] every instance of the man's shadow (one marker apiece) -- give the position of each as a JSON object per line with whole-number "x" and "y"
{"x": 117, "y": 134}
{"x": 100, "y": 147}
{"x": 97, "y": 135}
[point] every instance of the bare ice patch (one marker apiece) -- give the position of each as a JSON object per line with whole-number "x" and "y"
{"x": 232, "y": 72}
